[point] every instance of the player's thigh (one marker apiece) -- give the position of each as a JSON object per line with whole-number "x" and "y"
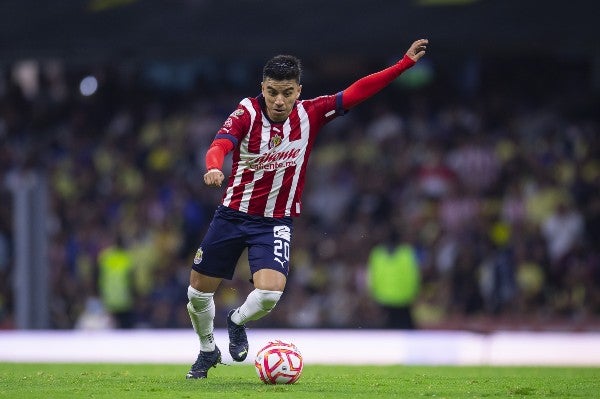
{"x": 270, "y": 248}
{"x": 220, "y": 250}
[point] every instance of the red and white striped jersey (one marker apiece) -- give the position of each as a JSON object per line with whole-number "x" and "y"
{"x": 270, "y": 159}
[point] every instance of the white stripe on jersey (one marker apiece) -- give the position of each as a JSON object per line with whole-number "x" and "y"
{"x": 247, "y": 104}
{"x": 278, "y": 179}
{"x": 305, "y": 133}
{"x": 265, "y": 136}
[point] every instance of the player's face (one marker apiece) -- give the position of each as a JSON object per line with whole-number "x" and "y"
{"x": 280, "y": 96}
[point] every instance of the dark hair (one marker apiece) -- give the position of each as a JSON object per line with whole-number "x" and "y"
{"x": 283, "y": 67}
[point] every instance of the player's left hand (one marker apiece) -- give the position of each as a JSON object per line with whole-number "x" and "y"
{"x": 417, "y": 49}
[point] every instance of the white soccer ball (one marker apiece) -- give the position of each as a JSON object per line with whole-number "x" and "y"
{"x": 279, "y": 363}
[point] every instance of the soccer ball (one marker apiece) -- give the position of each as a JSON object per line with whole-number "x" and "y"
{"x": 278, "y": 363}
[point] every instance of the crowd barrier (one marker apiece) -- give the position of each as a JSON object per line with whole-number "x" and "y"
{"x": 376, "y": 347}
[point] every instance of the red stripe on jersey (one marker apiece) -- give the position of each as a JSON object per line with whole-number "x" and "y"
{"x": 295, "y": 134}
{"x": 255, "y": 137}
{"x": 299, "y": 189}
{"x": 284, "y": 192}
{"x": 235, "y": 159}
{"x": 238, "y": 191}
{"x": 258, "y": 201}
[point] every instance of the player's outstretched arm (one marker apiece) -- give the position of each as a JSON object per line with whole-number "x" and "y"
{"x": 370, "y": 85}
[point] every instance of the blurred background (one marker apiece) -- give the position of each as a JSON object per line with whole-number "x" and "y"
{"x": 481, "y": 161}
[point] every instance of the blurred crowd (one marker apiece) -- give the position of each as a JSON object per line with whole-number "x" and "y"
{"x": 494, "y": 185}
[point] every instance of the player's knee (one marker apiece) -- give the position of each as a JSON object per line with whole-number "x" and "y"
{"x": 268, "y": 299}
{"x": 200, "y": 301}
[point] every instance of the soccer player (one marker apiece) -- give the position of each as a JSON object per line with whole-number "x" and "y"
{"x": 271, "y": 137}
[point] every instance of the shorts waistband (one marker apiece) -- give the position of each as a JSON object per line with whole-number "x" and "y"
{"x": 229, "y": 213}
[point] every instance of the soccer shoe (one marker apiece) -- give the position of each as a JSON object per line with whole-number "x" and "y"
{"x": 205, "y": 361}
{"x": 238, "y": 341}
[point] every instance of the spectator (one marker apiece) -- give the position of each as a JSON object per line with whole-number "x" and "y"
{"x": 393, "y": 278}
{"x": 115, "y": 283}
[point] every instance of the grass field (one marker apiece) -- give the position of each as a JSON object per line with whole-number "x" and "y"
{"x": 116, "y": 381}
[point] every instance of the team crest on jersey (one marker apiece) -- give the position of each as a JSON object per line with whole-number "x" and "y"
{"x": 198, "y": 256}
{"x": 228, "y": 123}
{"x": 275, "y": 141}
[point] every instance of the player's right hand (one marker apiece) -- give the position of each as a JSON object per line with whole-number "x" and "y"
{"x": 417, "y": 49}
{"x": 214, "y": 178}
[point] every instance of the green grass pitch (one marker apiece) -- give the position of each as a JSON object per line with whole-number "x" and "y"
{"x": 116, "y": 381}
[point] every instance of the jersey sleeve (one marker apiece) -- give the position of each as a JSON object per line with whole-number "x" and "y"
{"x": 228, "y": 137}
{"x": 328, "y": 107}
{"x": 216, "y": 153}
{"x": 235, "y": 126}
{"x": 372, "y": 84}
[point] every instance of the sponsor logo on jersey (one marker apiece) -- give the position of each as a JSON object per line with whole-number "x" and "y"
{"x": 275, "y": 156}
{"x": 276, "y": 160}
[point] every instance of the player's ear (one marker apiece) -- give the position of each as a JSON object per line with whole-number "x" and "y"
{"x": 299, "y": 91}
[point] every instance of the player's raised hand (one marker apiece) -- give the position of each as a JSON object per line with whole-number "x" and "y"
{"x": 417, "y": 49}
{"x": 214, "y": 178}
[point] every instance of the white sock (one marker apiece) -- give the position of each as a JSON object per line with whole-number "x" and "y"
{"x": 201, "y": 309}
{"x": 257, "y": 305}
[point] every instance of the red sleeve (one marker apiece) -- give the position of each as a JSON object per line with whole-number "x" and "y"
{"x": 216, "y": 153}
{"x": 368, "y": 86}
